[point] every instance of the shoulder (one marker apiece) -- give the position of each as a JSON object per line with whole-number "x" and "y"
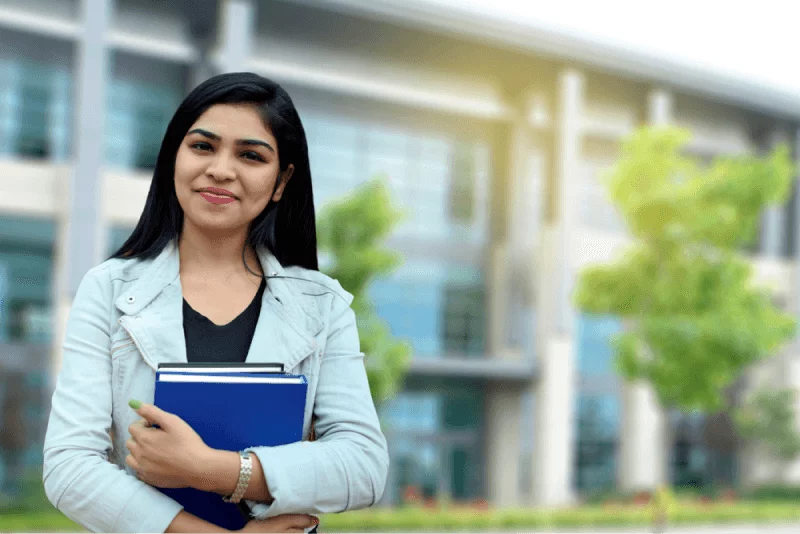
{"x": 111, "y": 273}
{"x": 317, "y": 284}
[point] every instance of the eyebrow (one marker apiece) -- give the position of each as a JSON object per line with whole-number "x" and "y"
{"x": 243, "y": 142}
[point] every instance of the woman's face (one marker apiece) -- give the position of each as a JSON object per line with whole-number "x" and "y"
{"x": 227, "y": 168}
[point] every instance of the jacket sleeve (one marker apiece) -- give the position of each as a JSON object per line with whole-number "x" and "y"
{"x": 347, "y": 466}
{"x": 78, "y": 477}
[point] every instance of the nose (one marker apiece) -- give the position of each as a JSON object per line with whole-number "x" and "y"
{"x": 221, "y": 167}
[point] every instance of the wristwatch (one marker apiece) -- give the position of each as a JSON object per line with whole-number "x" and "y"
{"x": 245, "y": 470}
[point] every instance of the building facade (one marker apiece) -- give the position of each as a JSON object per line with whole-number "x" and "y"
{"x": 492, "y": 140}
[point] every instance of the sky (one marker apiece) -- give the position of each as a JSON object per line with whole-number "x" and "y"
{"x": 755, "y": 40}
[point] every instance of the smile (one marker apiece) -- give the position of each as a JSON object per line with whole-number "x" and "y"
{"x": 216, "y": 199}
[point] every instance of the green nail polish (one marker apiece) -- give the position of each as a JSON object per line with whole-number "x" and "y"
{"x": 135, "y": 404}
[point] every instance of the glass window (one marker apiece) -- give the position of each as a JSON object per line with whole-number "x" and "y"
{"x": 597, "y": 438}
{"x": 411, "y": 309}
{"x": 433, "y": 429}
{"x": 117, "y": 235}
{"x": 435, "y": 404}
{"x": 34, "y": 108}
{"x": 138, "y": 116}
{"x": 789, "y": 231}
{"x": 26, "y": 272}
{"x": 433, "y": 178}
{"x": 598, "y": 211}
{"x": 438, "y": 308}
{"x": 527, "y": 430}
{"x": 462, "y": 186}
{"x": 414, "y": 411}
{"x": 464, "y": 320}
{"x": 690, "y": 455}
{"x": 595, "y": 351}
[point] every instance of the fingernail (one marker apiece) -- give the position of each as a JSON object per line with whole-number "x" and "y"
{"x": 135, "y": 404}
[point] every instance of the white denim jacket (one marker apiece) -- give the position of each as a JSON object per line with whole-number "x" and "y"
{"x": 127, "y": 317}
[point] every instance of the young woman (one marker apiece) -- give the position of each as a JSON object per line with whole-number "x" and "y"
{"x": 222, "y": 266}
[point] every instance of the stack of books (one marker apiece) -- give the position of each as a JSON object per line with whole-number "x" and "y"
{"x": 231, "y": 407}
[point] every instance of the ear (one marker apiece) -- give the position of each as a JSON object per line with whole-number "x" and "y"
{"x": 283, "y": 179}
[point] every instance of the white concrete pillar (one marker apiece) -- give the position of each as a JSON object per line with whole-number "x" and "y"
{"x": 81, "y": 234}
{"x": 554, "y": 439}
{"x": 643, "y": 457}
{"x": 504, "y": 405}
{"x": 60, "y": 298}
{"x": 774, "y": 218}
{"x": 202, "y": 21}
{"x": 554, "y": 433}
{"x": 660, "y": 107}
{"x": 773, "y": 222}
{"x": 497, "y": 299}
{"x": 645, "y": 451}
{"x": 503, "y": 445}
{"x": 236, "y": 30}
{"x": 568, "y": 164}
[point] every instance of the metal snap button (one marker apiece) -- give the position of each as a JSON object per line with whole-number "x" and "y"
{"x": 131, "y": 299}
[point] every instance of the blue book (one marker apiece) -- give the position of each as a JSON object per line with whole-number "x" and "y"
{"x": 231, "y": 411}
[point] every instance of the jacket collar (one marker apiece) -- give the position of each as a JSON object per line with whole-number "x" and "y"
{"x": 153, "y": 313}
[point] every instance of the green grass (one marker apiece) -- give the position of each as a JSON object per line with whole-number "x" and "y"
{"x": 410, "y": 519}
{"x": 455, "y": 519}
{"x": 41, "y": 521}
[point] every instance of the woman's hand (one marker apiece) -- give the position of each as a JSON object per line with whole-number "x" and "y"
{"x": 282, "y": 523}
{"x": 171, "y": 456}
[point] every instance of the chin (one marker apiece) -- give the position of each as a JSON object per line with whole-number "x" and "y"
{"x": 214, "y": 222}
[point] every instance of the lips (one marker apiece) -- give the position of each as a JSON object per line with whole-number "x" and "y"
{"x": 214, "y": 199}
{"x": 216, "y": 195}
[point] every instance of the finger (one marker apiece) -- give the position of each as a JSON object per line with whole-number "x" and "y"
{"x": 132, "y": 446}
{"x": 137, "y": 427}
{"x": 132, "y": 463}
{"x": 301, "y": 521}
{"x": 155, "y": 415}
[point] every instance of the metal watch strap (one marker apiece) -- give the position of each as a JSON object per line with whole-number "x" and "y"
{"x": 245, "y": 470}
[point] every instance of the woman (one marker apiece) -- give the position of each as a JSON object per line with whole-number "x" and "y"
{"x": 222, "y": 266}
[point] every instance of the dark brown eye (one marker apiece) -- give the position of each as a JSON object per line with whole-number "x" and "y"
{"x": 254, "y": 156}
{"x": 202, "y": 145}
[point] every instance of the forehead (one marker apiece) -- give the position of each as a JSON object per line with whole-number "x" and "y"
{"x": 236, "y": 121}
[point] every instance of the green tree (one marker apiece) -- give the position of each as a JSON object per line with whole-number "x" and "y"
{"x": 351, "y": 233}
{"x": 694, "y": 320}
{"x": 768, "y": 418}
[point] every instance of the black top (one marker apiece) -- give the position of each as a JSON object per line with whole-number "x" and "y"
{"x": 208, "y": 342}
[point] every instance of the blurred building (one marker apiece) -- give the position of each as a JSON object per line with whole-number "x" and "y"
{"x": 492, "y": 137}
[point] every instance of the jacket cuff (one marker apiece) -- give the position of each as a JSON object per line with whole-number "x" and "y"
{"x": 291, "y": 480}
{"x": 147, "y": 510}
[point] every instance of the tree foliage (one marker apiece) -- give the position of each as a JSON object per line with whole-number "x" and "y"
{"x": 694, "y": 319}
{"x": 351, "y": 234}
{"x": 768, "y": 418}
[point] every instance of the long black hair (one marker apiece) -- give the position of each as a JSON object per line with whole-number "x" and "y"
{"x": 288, "y": 227}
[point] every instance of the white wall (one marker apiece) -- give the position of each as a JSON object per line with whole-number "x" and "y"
{"x": 715, "y": 128}
{"x": 39, "y": 190}
{"x": 145, "y": 25}
{"x": 49, "y": 17}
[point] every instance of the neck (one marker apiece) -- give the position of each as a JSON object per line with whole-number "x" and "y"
{"x": 218, "y": 252}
